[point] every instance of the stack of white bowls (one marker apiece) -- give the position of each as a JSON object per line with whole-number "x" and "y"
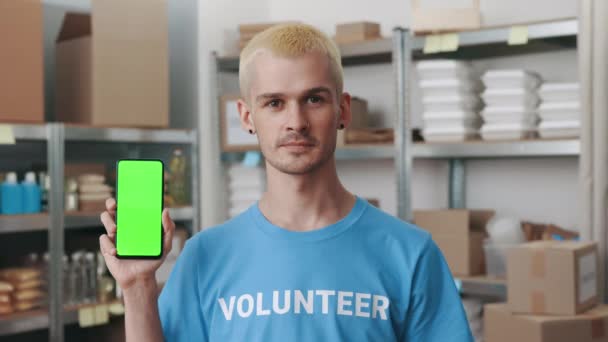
{"x": 511, "y": 104}
{"x": 450, "y": 100}
{"x": 560, "y": 110}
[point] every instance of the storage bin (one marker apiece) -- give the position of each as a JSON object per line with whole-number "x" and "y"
{"x": 559, "y": 92}
{"x": 442, "y": 69}
{"x": 458, "y": 102}
{"x": 511, "y": 79}
{"x": 510, "y": 97}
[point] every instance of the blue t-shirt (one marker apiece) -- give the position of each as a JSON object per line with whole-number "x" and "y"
{"x": 368, "y": 277}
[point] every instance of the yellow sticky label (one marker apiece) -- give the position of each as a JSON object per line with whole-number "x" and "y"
{"x": 86, "y": 317}
{"x": 117, "y": 309}
{"x": 518, "y": 35}
{"x": 449, "y": 42}
{"x": 102, "y": 315}
{"x": 432, "y": 44}
{"x": 6, "y": 135}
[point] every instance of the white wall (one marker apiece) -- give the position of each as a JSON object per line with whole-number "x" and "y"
{"x": 540, "y": 190}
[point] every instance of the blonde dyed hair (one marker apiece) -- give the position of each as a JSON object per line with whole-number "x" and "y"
{"x": 290, "y": 41}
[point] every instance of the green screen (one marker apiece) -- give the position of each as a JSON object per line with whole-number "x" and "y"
{"x": 139, "y": 208}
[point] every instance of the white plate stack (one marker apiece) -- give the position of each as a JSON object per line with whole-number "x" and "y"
{"x": 511, "y": 104}
{"x": 246, "y": 184}
{"x": 450, "y": 97}
{"x": 560, "y": 110}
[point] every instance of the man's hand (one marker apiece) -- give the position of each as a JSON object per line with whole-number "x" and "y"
{"x": 129, "y": 272}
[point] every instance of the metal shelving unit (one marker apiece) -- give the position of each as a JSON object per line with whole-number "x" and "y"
{"x": 56, "y": 136}
{"x": 37, "y": 320}
{"x": 477, "y": 44}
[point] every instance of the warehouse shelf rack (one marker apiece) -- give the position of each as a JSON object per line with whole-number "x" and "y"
{"x": 56, "y": 136}
{"x": 39, "y": 319}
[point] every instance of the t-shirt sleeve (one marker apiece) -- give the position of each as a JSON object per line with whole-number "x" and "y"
{"x": 435, "y": 312}
{"x": 179, "y": 303}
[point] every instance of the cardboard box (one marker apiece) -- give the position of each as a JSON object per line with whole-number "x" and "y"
{"x": 360, "y": 119}
{"x": 119, "y": 75}
{"x": 21, "y": 61}
{"x": 500, "y": 325}
{"x": 553, "y": 277}
{"x": 459, "y": 233}
{"x": 356, "y": 32}
{"x": 431, "y": 16}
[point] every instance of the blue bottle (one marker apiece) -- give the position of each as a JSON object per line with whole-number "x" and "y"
{"x": 32, "y": 197}
{"x": 12, "y": 195}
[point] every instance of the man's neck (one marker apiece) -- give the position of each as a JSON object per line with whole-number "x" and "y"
{"x": 305, "y": 202}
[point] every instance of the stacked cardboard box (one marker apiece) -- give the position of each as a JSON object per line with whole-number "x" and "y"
{"x": 553, "y": 295}
{"x": 21, "y": 61}
{"x": 459, "y": 233}
{"x": 356, "y": 32}
{"x": 248, "y": 31}
{"x": 113, "y": 66}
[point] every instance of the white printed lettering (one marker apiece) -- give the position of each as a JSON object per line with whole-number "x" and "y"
{"x": 325, "y": 299}
{"x": 239, "y": 305}
{"x": 360, "y": 305}
{"x": 379, "y": 306}
{"x": 227, "y": 310}
{"x": 275, "y": 302}
{"x": 342, "y": 302}
{"x": 298, "y": 299}
{"x": 259, "y": 306}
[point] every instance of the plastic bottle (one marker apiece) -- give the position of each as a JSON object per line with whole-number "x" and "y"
{"x": 177, "y": 185}
{"x": 12, "y": 195}
{"x": 32, "y": 201}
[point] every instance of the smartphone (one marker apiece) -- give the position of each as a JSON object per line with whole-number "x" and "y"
{"x": 139, "y": 207}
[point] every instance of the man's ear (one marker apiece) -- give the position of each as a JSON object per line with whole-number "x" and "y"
{"x": 345, "y": 116}
{"x": 245, "y": 116}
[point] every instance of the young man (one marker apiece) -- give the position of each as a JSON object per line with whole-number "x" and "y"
{"x": 310, "y": 261}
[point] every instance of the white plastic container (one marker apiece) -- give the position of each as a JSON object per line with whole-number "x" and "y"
{"x": 457, "y": 102}
{"x": 511, "y": 79}
{"x": 560, "y": 129}
{"x": 559, "y": 92}
{"x": 449, "y": 134}
{"x": 496, "y": 258}
{"x": 449, "y": 115}
{"x": 559, "y": 110}
{"x": 508, "y": 131}
{"x": 509, "y": 115}
{"x": 442, "y": 69}
{"x": 449, "y": 86}
{"x": 472, "y": 122}
{"x": 510, "y": 97}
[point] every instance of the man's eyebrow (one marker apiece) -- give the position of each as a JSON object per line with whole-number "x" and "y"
{"x": 268, "y": 96}
{"x": 317, "y": 90}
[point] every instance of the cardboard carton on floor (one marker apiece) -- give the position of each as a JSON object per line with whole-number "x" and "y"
{"x": 553, "y": 277}
{"x": 500, "y": 325}
{"x": 356, "y": 32}
{"x": 459, "y": 233}
{"x": 112, "y": 68}
{"x": 21, "y": 61}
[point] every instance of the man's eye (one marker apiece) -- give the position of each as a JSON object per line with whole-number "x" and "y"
{"x": 274, "y": 103}
{"x": 315, "y": 99}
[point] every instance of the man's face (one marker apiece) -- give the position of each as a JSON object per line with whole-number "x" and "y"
{"x": 294, "y": 108}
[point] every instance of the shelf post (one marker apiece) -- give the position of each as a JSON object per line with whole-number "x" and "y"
{"x": 401, "y": 58}
{"x": 55, "y": 160}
